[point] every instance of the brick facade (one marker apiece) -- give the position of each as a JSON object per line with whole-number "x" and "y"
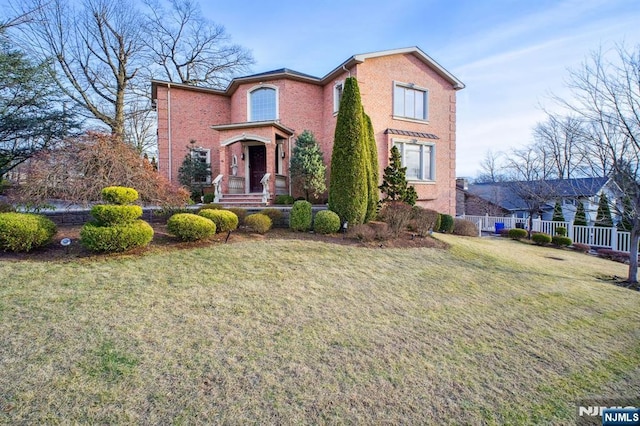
{"x": 218, "y": 120}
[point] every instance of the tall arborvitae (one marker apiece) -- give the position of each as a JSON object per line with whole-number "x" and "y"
{"x": 557, "y": 213}
{"x": 603, "y": 216}
{"x": 348, "y": 184}
{"x": 372, "y": 171}
{"x": 581, "y": 217}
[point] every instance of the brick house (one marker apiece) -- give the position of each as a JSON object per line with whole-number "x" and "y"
{"x": 247, "y": 131}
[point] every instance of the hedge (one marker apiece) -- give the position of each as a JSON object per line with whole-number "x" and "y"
{"x": 517, "y": 233}
{"x": 541, "y": 238}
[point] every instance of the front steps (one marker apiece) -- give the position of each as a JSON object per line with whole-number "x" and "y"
{"x": 242, "y": 200}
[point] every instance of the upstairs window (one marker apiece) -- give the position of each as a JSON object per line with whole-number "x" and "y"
{"x": 410, "y": 102}
{"x": 337, "y": 95}
{"x": 263, "y": 104}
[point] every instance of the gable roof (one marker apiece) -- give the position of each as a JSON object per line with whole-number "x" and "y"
{"x": 506, "y": 194}
{"x": 296, "y": 75}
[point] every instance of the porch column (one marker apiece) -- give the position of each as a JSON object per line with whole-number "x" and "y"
{"x": 271, "y": 162}
{"x": 223, "y": 169}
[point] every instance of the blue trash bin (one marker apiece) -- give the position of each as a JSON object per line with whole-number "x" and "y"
{"x": 499, "y": 227}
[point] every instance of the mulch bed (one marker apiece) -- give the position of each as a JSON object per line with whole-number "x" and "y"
{"x": 162, "y": 241}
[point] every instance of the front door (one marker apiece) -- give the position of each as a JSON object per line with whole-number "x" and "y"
{"x": 257, "y": 167}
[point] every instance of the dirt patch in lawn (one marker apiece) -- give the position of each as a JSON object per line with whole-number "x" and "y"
{"x": 163, "y": 241}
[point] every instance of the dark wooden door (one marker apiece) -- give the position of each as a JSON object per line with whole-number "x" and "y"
{"x": 257, "y": 167}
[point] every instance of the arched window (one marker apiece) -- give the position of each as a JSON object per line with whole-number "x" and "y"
{"x": 263, "y": 104}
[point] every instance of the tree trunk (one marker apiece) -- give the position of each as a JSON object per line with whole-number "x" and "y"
{"x": 633, "y": 255}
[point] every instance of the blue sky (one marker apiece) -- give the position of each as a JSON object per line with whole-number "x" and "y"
{"x": 511, "y": 54}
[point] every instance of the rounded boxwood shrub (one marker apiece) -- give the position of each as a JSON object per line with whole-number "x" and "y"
{"x": 561, "y": 230}
{"x": 541, "y": 238}
{"x": 283, "y": 199}
{"x": 115, "y": 238}
{"x": 111, "y": 215}
{"x": 119, "y": 195}
{"x": 301, "y": 216}
{"x": 561, "y": 241}
{"x": 274, "y": 214}
{"x": 25, "y": 231}
{"x": 224, "y": 219}
{"x": 240, "y": 212}
{"x": 446, "y": 223}
{"x": 258, "y": 222}
{"x": 191, "y": 227}
{"x": 326, "y": 222}
{"x": 517, "y": 233}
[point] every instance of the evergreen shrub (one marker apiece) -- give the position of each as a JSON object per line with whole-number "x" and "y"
{"x": 240, "y": 212}
{"x": 446, "y": 223}
{"x": 258, "y": 222}
{"x": 283, "y": 199}
{"x": 25, "y": 231}
{"x": 211, "y": 206}
{"x": 274, "y": 214}
{"x": 111, "y": 215}
{"x": 561, "y": 241}
{"x": 117, "y": 237}
{"x": 120, "y": 195}
{"x": 541, "y": 238}
{"x": 301, "y": 216}
{"x": 517, "y": 233}
{"x": 326, "y": 222}
{"x": 191, "y": 227}
{"x": 224, "y": 219}
{"x": 561, "y": 231}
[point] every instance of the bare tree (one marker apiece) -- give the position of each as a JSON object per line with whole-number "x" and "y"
{"x": 559, "y": 138}
{"x": 94, "y": 50}
{"x": 606, "y": 93}
{"x": 491, "y": 168}
{"x": 190, "y": 49}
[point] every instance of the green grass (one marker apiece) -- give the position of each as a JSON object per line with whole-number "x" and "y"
{"x": 294, "y": 332}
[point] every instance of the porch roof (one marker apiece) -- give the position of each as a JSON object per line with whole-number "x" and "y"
{"x": 255, "y": 124}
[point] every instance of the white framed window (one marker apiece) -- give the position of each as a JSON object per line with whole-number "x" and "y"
{"x": 410, "y": 101}
{"x": 202, "y": 155}
{"x": 263, "y": 103}
{"x": 419, "y": 159}
{"x": 338, "y": 89}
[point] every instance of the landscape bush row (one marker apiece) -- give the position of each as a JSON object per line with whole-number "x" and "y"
{"x": 116, "y": 226}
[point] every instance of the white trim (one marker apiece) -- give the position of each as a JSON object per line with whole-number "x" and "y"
{"x": 245, "y": 137}
{"x": 258, "y": 87}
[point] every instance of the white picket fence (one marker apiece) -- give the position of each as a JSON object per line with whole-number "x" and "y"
{"x": 594, "y": 236}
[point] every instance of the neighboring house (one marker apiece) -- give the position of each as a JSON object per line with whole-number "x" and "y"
{"x": 508, "y": 197}
{"x": 248, "y": 130}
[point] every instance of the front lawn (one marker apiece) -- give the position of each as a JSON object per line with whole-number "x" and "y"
{"x": 294, "y": 331}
